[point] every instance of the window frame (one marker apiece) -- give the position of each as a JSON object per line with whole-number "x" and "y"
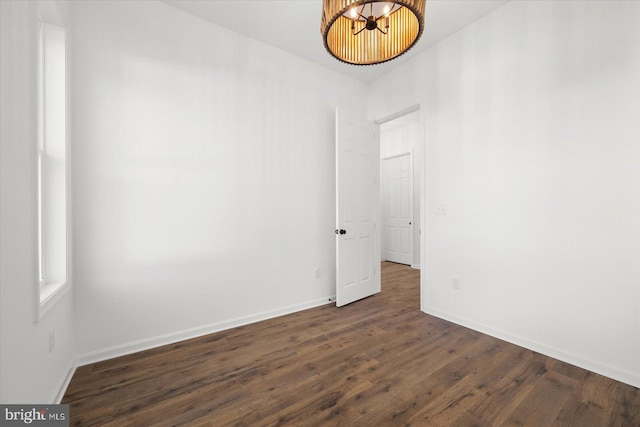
{"x": 47, "y": 293}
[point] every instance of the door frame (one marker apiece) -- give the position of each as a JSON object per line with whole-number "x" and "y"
{"x": 420, "y": 156}
{"x": 383, "y": 233}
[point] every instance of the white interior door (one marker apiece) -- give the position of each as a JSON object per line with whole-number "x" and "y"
{"x": 357, "y": 208}
{"x": 397, "y": 209}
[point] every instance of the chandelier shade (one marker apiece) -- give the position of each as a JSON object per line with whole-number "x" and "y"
{"x": 371, "y": 32}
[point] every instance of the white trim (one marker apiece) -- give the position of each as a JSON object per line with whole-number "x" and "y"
{"x": 590, "y": 365}
{"x": 422, "y": 154}
{"x": 160, "y": 340}
{"x": 416, "y": 266}
{"x": 61, "y": 389}
{"x": 37, "y": 158}
{"x": 67, "y": 154}
{"x": 52, "y": 298}
{"x": 411, "y": 109}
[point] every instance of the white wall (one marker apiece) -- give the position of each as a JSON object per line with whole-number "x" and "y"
{"x": 532, "y": 120}
{"x": 203, "y": 176}
{"x": 400, "y": 136}
{"x": 28, "y": 372}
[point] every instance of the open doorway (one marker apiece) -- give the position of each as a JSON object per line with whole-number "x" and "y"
{"x": 360, "y": 230}
{"x": 400, "y": 187}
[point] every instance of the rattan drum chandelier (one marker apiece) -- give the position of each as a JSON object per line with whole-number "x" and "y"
{"x": 362, "y": 32}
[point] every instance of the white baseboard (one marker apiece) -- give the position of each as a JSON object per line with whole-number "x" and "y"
{"x": 148, "y": 343}
{"x": 416, "y": 266}
{"x": 599, "y": 368}
{"x": 61, "y": 389}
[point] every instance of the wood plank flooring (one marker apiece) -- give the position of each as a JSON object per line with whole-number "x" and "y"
{"x": 377, "y": 362}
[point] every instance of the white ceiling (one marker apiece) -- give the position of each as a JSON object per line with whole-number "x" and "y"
{"x": 294, "y": 26}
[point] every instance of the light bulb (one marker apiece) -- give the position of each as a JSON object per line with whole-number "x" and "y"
{"x": 354, "y": 13}
{"x": 386, "y": 10}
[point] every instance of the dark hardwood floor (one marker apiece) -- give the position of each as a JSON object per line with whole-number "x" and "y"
{"x": 377, "y": 362}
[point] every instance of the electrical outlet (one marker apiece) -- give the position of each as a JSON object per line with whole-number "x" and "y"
{"x": 52, "y": 340}
{"x": 318, "y": 273}
{"x": 455, "y": 283}
{"x": 441, "y": 209}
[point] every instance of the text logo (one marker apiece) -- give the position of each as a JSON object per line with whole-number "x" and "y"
{"x": 37, "y": 415}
